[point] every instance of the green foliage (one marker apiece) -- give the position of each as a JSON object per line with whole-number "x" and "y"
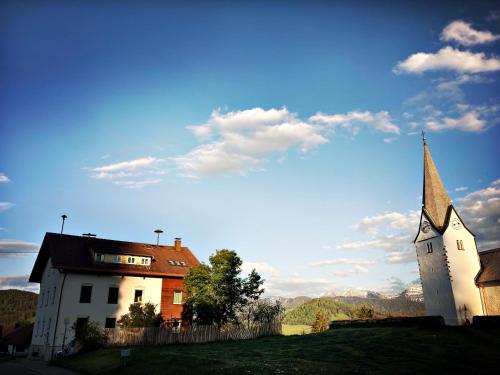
{"x": 89, "y": 336}
{"x": 384, "y": 307}
{"x": 17, "y": 306}
{"x": 216, "y": 292}
{"x": 365, "y": 312}
{"x": 141, "y": 315}
{"x": 321, "y": 322}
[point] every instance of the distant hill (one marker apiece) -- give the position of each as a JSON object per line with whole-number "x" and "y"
{"x": 334, "y": 310}
{"x": 289, "y": 303}
{"x": 398, "y": 306}
{"x": 17, "y": 306}
{"x": 345, "y": 307}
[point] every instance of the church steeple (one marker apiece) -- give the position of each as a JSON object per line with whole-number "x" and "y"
{"x": 435, "y": 199}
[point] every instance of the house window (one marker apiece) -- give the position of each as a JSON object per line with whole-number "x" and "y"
{"x": 113, "y": 295}
{"x": 85, "y": 293}
{"x": 145, "y": 261}
{"x": 117, "y": 259}
{"x": 110, "y": 323}
{"x": 99, "y": 257}
{"x": 138, "y": 295}
{"x": 460, "y": 245}
{"x": 130, "y": 260}
{"x": 429, "y": 247}
{"x": 81, "y": 324}
{"x": 53, "y": 295}
{"x": 177, "y": 297}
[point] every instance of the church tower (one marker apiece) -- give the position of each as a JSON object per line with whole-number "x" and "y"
{"x": 447, "y": 254}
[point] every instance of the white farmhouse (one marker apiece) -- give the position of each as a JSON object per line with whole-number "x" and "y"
{"x": 86, "y": 279}
{"x": 454, "y": 275}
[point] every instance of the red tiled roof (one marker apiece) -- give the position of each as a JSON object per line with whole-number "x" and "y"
{"x": 75, "y": 254}
{"x": 490, "y": 266}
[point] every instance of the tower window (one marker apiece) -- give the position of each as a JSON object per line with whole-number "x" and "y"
{"x": 460, "y": 245}
{"x": 429, "y": 247}
{"x": 113, "y": 295}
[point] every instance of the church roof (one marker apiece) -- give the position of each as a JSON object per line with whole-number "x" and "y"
{"x": 435, "y": 198}
{"x": 490, "y": 266}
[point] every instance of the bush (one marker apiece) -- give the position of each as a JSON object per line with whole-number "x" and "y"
{"x": 141, "y": 315}
{"x": 90, "y": 336}
{"x": 321, "y": 323}
{"x": 365, "y": 312}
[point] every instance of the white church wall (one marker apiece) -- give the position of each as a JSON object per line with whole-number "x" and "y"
{"x": 438, "y": 294}
{"x": 464, "y": 266}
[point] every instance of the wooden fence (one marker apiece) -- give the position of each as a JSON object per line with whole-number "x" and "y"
{"x": 188, "y": 335}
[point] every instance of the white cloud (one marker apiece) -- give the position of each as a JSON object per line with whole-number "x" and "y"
{"x": 462, "y": 188}
{"x": 4, "y": 178}
{"x": 463, "y": 33}
{"x": 391, "y": 232}
{"x": 133, "y": 174}
{"x": 480, "y": 211}
{"x": 351, "y": 261}
{"x": 469, "y": 122}
{"x": 16, "y": 247}
{"x": 5, "y": 206}
{"x": 18, "y": 282}
{"x": 380, "y": 121}
{"x": 448, "y": 58}
{"x": 239, "y": 141}
{"x": 261, "y": 267}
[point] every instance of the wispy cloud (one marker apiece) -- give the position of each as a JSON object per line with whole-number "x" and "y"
{"x": 463, "y": 33}
{"x": 462, "y": 188}
{"x": 350, "y": 261}
{"x": 448, "y": 58}
{"x": 262, "y": 268}
{"x": 133, "y": 174}
{"x": 4, "y": 178}
{"x": 5, "y": 206}
{"x": 17, "y": 247}
{"x": 380, "y": 121}
{"x": 18, "y": 282}
{"x": 469, "y": 122}
{"x": 356, "y": 270}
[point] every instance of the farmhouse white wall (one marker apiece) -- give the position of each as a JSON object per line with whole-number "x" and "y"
{"x": 99, "y": 309}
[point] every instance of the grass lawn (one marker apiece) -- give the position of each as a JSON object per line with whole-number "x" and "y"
{"x": 375, "y": 350}
{"x": 295, "y": 329}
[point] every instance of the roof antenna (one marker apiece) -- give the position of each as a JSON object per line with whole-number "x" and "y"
{"x": 64, "y": 217}
{"x": 158, "y": 232}
{"x": 89, "y": 234}
{"x": 424, "y": 140}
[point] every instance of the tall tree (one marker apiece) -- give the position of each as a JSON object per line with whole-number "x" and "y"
{"x": 216, "y": 292}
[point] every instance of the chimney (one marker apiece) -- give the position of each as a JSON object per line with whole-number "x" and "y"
{"x": 178, "y": 244}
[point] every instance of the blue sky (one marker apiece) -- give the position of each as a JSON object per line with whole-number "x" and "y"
{"x": 288, "y": 131}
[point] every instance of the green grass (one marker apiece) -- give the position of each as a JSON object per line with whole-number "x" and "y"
{"x": 295, "y": 329}
{"x": 375, "y": 350}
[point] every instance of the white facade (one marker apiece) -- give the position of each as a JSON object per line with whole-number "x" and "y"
{"x": 59, "y": 304}
{"x": 448, "y": 265}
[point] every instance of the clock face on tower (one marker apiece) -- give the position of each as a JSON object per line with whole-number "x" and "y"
{"x": 426, "y": 227}
{"x": 455, "y": 223}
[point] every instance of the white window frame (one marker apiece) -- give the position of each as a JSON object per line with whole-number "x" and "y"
{"x": 177, "y": 293}
{"x": 117, "y": 259}
{"x": 142, "y": 295}
{"x": 460, "y": 245}
{"x": 130, "y": 260}
{"x": 429, "y": 247}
